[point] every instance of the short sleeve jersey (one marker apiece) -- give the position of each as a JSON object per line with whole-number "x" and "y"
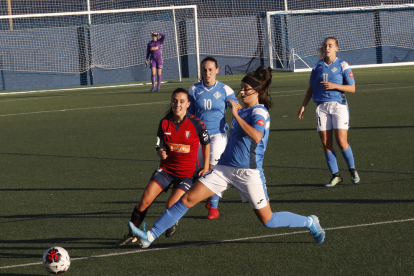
{"x": 154, "y": 48}
{"x": 337, "y": 72}
{"x": 209, "y": 104}
{"x": 241, "y": 151}
{"x": 181, "y": 142}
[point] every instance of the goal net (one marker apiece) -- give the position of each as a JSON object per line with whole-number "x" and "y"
{"x": 367, "y": 36}
{"x": 112, "y": 41}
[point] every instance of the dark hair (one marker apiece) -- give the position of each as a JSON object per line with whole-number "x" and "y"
{"x": 178, "y": 90}
{"x": 207, "y": 59}
{"x": 261, "y": 80}
{"x": 320, "y": 50}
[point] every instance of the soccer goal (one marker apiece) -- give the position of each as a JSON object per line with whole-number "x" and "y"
{"x": 368, "y": 36}
{"x": 101, "y": 43}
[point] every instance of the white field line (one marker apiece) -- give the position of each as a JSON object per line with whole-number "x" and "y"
{"x": 219, "y": 242}
{"x": 83, "y": 108}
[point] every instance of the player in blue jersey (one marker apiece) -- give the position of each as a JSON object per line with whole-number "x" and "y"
{"x": 208, "y": 102}
{"x": 240, "y": 166}
{"x": 178, "y": 138}
{"x": 154, "y": 54}
{"x": 330, "y": 79}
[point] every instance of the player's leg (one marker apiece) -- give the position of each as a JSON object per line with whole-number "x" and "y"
{"x": 196, "y": 194}
{"x": 218, "y": 143}
{"x": 159, "y": 77}
{"x": 180, "y": 187}
{"x": 251, "y": 189}
{"x": 140, "y": 210}
{"x": 153, "y": 74}
{"x": 325, "y": 131}
{"x": 212, "y": 182}
{"x": 341, "y": 126}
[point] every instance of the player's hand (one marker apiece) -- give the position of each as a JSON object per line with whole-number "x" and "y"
{"x": 301, "y": 111}
{"x": 203, "y": 171}
{"x": 162, "y": 154}
{"x": 146, "y": 63}
{"x": 328, "y": 85}
{"x": 234, "y": 107}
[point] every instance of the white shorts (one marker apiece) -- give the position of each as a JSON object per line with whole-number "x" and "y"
{"x": 248, "y": 183}
{"x": 218, "y": 144}
{"x": 332, "y": 115}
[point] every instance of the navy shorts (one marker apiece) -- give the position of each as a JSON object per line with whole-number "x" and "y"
{"x": 165, "y": 180}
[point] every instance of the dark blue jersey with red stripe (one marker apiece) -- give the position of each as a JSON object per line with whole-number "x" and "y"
{"x": 181, "y": 141}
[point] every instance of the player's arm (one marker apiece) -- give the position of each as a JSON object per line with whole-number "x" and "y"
{"x": 148, "y": 52}
{"x": 230, "y": 95}
{"x": 253, "y": 133}
{"x": 349, "y": 88}
{"x": 204, "y": 137}
{"x": 162, "y": 37}
{"x": 205, "y": 150}
{"x": 308, "y": 96}
{"x": 160, "y": 145}
{"x": 191, "y": 109}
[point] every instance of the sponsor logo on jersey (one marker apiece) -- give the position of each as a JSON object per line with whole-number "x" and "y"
{"x": 187, "y": 134}
{"x": 261, "y": 122}
{"x": 351, "y": 74}
{"x": 334, "y": 70}
{"x": 217, "y": 95}
{"x": 154, "y": 48}
{"x": 179, "y": 147}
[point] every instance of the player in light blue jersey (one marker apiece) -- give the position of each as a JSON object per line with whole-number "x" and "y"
{"x": 240, "y": 166}
{"x": 330, "y": 79}
{"x": 208, "y": 102}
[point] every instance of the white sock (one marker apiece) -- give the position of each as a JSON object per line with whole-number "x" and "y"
{"x": 150, "y": 237}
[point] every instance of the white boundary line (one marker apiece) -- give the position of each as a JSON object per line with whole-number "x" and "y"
{"x": 219, "y": 242}
{"x": 83, "y": 108}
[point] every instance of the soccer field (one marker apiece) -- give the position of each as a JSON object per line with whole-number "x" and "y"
{"x": 74, "y": 163}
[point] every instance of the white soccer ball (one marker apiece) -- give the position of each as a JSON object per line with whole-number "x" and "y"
{"x": 56, "y": 260}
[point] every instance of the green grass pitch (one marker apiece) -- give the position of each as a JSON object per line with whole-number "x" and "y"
{"x": 74, "y": 163}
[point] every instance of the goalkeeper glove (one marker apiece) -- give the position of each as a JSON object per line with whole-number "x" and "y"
{"x": 146, "y": 63}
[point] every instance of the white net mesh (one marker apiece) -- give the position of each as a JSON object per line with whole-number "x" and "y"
{"x": 233, "y": 31}
{"x": 374, "y": 35}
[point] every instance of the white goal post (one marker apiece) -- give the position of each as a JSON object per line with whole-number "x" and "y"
{"x": 51, "y": 42}
{"x": 368, "y": 36}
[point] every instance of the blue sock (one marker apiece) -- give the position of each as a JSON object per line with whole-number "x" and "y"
{"x": 153, "y": 81}
{"x": 349, "y": 157}
{"x": 168, "y": 218}
{"x": 288, "y": 219}
{"x": 214, "y": 200}
{"x": 331, "y": 161}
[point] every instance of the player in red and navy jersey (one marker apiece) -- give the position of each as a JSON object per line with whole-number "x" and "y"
{"x": 178, "y": 139}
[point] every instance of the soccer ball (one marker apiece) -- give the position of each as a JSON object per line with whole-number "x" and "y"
{"x": 56, "y": 260}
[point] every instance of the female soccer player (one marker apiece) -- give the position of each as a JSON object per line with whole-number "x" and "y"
{"x": 208, "y": 102}
{"x": 330, "y": 79}
{"x": 154, "y": 52}
{"x": 178, "y": 139}
{"x": 240, "y": 166}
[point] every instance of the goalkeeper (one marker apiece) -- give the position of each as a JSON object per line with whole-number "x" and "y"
{"x": 154, "y": 57}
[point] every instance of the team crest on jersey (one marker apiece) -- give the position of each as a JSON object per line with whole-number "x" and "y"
{"x": 351, "y": 74}
{"x": 217, "y": 95}
{"x": 187, "y": 134}
{"x": 334, "y": 70}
